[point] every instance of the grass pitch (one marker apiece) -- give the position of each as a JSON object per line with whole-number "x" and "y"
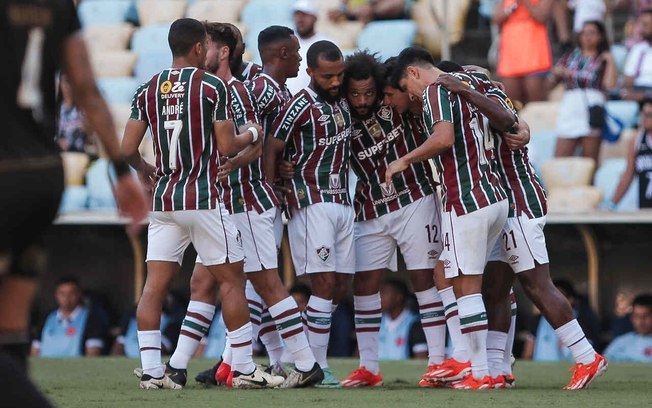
{"x": 108, "y": 382}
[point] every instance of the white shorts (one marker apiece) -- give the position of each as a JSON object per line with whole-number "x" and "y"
{"x": 469, "y": 239}
{"x": 321, "y": 238}
{"x": 573, "y": 119}
{"x": 211, "y": 232}
{"x": 522, "y": 243}
{"x": 415, "y": 229}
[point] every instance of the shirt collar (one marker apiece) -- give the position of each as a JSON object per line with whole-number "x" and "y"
{"x": 72, "y": 316}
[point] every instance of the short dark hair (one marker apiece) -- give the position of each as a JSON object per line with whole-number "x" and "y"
{"x": 68, "y": 279}
{"x": 643, "y": 102}
{"x": 236, "y": 31}
{"x": 411, "y": 56}
{"x": 223, "y": 34}
{"x": 644, "y": 300}
{"x": 184, "y": 34}
{"x": 399, "y": 286}
{"x": 449, "y": 66}
{"x": 272, "y": 35}
{"x": 363, "y": 65}
{"x": 301, "y": 289}
{"x": 325, "y": 50}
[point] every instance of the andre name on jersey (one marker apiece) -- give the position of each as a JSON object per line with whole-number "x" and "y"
{"x": 173, "y": 92}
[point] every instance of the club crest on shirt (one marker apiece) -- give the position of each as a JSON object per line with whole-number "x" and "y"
{"x": 387, "y": 190}
{"x": 385, "y": 113}
{"x": 339, "y": 118}
{"x": 323, "y": 253}
{"x": 334, "y": 181}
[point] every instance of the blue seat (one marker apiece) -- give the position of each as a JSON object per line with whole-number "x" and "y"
{"x": 103, "y": 12}
{"x": 541, "y": 149}
{"x": 258, "y": 14}
{"x": 98, "y": 185}
{"x": 619, "y": 53}
{"x": 153, "y": 37}
{"x": 627, "y": 111}
{"x": 607, "y": 178}
{"x": 118, "y": 90}
{"x": 387, "y": 38}
{"x": 75, "y": 198}
{"x": 150, "y": 63}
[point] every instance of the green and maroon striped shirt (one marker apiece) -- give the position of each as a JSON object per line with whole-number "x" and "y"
{"x": 317, "y": 136}
{"x": 468, "y": 169}
{"x": 376, "y": 142}
{"x": 180, "y": 106}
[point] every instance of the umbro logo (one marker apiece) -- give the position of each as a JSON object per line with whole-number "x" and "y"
{"x": 447, "y": 263}
{"x": 513, "y": 259}
{"x": 323, "y": 118}
{"x": 432, "y": 254}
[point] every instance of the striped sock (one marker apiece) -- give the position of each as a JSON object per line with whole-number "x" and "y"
{"x": 496, "y": 346}
{"x": 288, "y": 324}
{"x": 241, "y": 349}
{"x": 149, "y": 342}
{"x": 270, "y": 338}
{"x": 433, "y": 321}
{"x": 572, "y": 336}
{"x": 194, "y": 327}
{"x": 255, "y": 303}
{"x": 460, "y": 350}
{"x": 473, "y": 324}
{"x": 367, "y": 327}
{"x": 507, "y": 358}
{"x": 318, "y": 318}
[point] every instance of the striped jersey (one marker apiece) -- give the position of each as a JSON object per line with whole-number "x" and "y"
{"x": 376, "y": 142}
{"x": 317, "y": 135}
{"x": 524, "y": 189}
{"x": 245, "y": 189}
{"x": 269, "y": 98}
{"x": 180, "y": 106}
{"x": 249, "y": 72}
{"x": 470, "y": 179}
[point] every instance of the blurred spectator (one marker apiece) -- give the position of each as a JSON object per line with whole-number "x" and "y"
{"x": 622, "y": 322}
{"x": 636, "y": 345}
{"x": 126, "y": 344}
{"x": 637, "y": 83}
{"x": 587, "y": 73}
{"x": 524, "y": 56}
{"x": 639, "y": 162}
{"x": 401, "y": 335}
{"x": 634, "y": 8}
{"x": 547, "y": 346}
{"x": 71, "y": 330}
{"x": 305, "y": 17}
{"x": 587, "y": 10}
{"x": 366, "y": 11}
{"x": 72, "y": 135}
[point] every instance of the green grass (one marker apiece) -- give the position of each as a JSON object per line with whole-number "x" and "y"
{"x": 108, "y": 382}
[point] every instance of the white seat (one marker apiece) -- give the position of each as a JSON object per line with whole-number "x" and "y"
{"x": 109, "y": 37}
{"x": 573, "y": 199}
{"x": 607, "y": 178}
{"x": 541, "y": 116}
{"x": 113, "y": 63}
{"x": 223, "y": 11}
{"x": 160, "y": 11}
{"x": 74, "y": 167}
{"x": 620, "y": 148}
{"x": 567, "y": 172}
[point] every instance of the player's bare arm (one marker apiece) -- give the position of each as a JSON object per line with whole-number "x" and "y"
{"x": 133, "y": 136}
{"x": 518, "y": 138}
{"x": 441, "y": 139}
{"x": 129, "y": 194}
{"x": 242, "y": 159}
{"x": 271, "y": 153}
{"x": 229, "y": 143}
{"x": 499, "y": 117}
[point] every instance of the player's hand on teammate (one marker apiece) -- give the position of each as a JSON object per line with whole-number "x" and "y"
{"x": 131, "y": 200}
{"x": 286, "y": 169}
{"x": 225, "y": 168}
{"x": 395, "y": 167}
{"x": 518, "y": 137}
{"x": 451, "y": 83}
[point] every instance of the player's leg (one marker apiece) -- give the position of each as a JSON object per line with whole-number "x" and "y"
{"x": 167, "y": 242}
{"x": 374, "y": 249}
{"x": 467, "y": 246}
{"x": 281, "y": 319}
{"x": 216, "y": 240}
{"x": 199, "y": 316}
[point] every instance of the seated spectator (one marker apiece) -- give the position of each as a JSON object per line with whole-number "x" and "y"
{"x": 637, "y": 83}
{"x": 547, "y": 346}
{"x": 622, "y": 319}
{"x": 342, "y": 339}
{"x": 401, "y": 336}
{"x": 639, "y": 162}
{"x": 301, "y": 294}
{"x": 72, "y": 135}
{"x": 636, "y": 345}
{"x": 587, "y": 73}
{"x": 369, "y": 10}
{"x": 71, "y": 330}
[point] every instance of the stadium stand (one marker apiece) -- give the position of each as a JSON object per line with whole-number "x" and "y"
{"x": 109, "y": 37}
{"x": 118, "y": 89}
{"x": 160, "y": 11}
{"x": 113, "y": 63}
{"x": 387, "y": 38}
{"x": 103, "y": 12}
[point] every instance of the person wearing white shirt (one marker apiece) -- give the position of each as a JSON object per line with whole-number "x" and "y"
{"x": 638, "y": 66}
{"x": 305, "y": 17}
